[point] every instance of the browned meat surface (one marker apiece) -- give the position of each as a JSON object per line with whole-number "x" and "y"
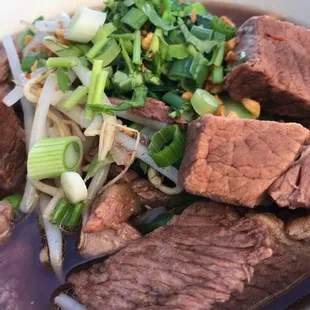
{"x": 115, "y": 206}
{"x": 292, "y": 189}
{"x": 129, "y": 176}
{"x": 207, "y": 256}
{"x": 236, "y": 161}
{"x": 12, "y": 148}
{"x": 277, "y": 68}
{"x": 108, "y": 241}
{"x": 153, "y": 109}
{"x": 149, "y": 195}
{"x": 4, "y": 66}
{"x": 6, "y": 217}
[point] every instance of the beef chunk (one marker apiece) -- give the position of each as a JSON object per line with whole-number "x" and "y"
{"x": 12, "y": 148}
{"x": 207, "y": 258}
{"x": 299, "y": 228}
{"x": 236, "y": 161}
{"x": 277, "y": 68}
{"x": 115, "y": 206}
{"x": 292, "y": 188}
{"x": 194, "y": 262}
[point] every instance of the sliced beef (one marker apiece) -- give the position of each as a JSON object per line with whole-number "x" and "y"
{"x": 236, "y": 161}
{"x": 207, "y": 258}
{"x": 153, "y": 109}
{"x": 6, "y": 217}
{"x": 277, "y": 68}
{"x": 115, "y": 206}
{"x": 129, "y": 176}
{"x": 108, "y": 241}
{"x": 299, "y": 228}
{"x": 149, "y": 195}
{"x": 292, "y": 188}
{"x": 12, "y": 148}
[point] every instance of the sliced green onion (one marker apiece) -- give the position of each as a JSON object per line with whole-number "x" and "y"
{"x": 129, "y": 2}
{"x": 94, "y": 51}
{"x": 178, "y": 51}
{"x": 51, "y": 157}
{"x": 174, "y": 100}
{"x": 167, "y": 146}
{"x": 199, "y": 69}
{"x": 75, "y": 217}
{"x": 219, "y": 26}
{"x": 60, "y": 212}
{"x": 63, "y": 79}
{"x": 76, "y": 97}
{"x": 109, "y": 53}
{"x": 30, "y": 60}
{"x": 124, "y": 36}
{"x": 136, "y": 57}
{"x": 53, "y": 45}
{"x": 84, "y": 25}
{"x": 73, "y": 187}
{"x": 104, "y": 32}
{"x": 84, "y": 48}
{"x": 233, "y": 106}
{"x": 13, "y": 200}
{"x": 62, "y": 62}
{"x": 192, "y": 50}
{"x": 204, "y": 103}
{"x": 126, "y": 57}
{"x": 219, "y": 37}
{"x": 203, "y": 46}
{"x": 71, "y": 51}
{"x": 97, "y": 67}
{"x": 134, "y": 18}
{"x": 150, "y": 12}
{"x": 202, "y": 33}
{"x": 199, "y": 7}
{"x": 100, "y": 87}
{"x": 218, "y": 75}
{"x": 181, "y": 69}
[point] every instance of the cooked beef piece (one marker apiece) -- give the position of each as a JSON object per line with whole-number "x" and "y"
{"x": 115, "y": 206}
{"x": 107, "y": 242}
{"x": 153, "y": 109}
{"x": 149, "y": 195}
{"x": 12, "y": 148}
{"x": 207, "y": 256}
{"x": 299, "y": 228}
{"x": 129, "y": 177}
{"x": 292, "y": 188}
{"x": 277, "y": 68}
{"x": 6, "y": 217}
{"x": 236, "y": 161}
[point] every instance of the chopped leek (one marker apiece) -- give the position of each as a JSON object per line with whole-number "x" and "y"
{"x": 104, "y": 32}
{"x": 100, "y": 87}
{"x": 51, "y": 157}
{"x": 75, "y": 98}
{"x": 94, "y": 51}
{"x": 73, "y": 187}
{"x": 204, "y": 103}
{"x": 84, "y": 25}
{"x": 135, "y": 18}
{"x": 61, "y": 62}
{"x": 178, "y": 51}
{"x": 109, "y": 53}
{"x": 60, "y": 212}
{"x": 167, "y": 146}
{"x": 218, "y": 75}
{"x": 219, "y": 26}
{"x": 136, "y": 57}
{"x": 76, "y": 214}
{"x": 174, "y": 100}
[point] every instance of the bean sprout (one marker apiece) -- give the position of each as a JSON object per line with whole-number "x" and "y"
{"x": 157, "y": 181}
{"x": 44, "y": 188}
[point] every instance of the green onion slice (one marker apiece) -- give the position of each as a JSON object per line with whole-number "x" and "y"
{"x": 204, "y": 103}
{"x": 51, "y": 157}
{"x": 167, "y": 146}
{"x": 13, "y": 200}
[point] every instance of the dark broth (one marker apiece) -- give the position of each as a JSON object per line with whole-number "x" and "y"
{"x": 19, "y": 257}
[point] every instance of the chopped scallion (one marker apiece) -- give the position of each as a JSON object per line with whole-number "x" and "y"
{"x": 135, "y": 18}
{"x": 126, "y": 57}
{"x": 61, "y": 62}
{"x": 167, "y": 146}
{"x": 13, "y": 200}
{"x": 75, "y": 217}
{"x": 99, "y": 45}
{"x": 218, "y": 75}
{"x": 101, "y": 83}
{"x": 204, "y": 103}
{"x": 76, "y": 97}
{"x": 174, "y": 100}
{"x": 51, "y": 157}
{"x": 136, "y": 57}
{"x": 104, "y": 32}
{"x": 109, "y": 53}
{"x": 60, "y": 212}
{"x": 178, "y": 51}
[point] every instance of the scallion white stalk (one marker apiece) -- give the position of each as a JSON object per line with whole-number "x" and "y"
{"x": 84, "y": 25}
{"x": 51, "y": 157}
{"x": 36, "y": 41}
{"x": 83, "y": 73}
{"x": 94, "y": 128}
{"x": 73, "y": 187}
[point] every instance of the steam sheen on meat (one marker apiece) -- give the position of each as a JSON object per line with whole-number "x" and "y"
{"x": 236, "y": 161}
{"x": 208, "y": 258}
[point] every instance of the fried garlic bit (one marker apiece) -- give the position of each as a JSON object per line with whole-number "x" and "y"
{"x": 146, "y": 42}
{"x": 231, "y": 56}
{"x": 233, "y": 114}
{"x": 187, "y": 96}
{"x": 221, "y": 111}
{"x": 252, "y": 106}
{"x": 231, "y": 44}
{"x": 227, "y": 21}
